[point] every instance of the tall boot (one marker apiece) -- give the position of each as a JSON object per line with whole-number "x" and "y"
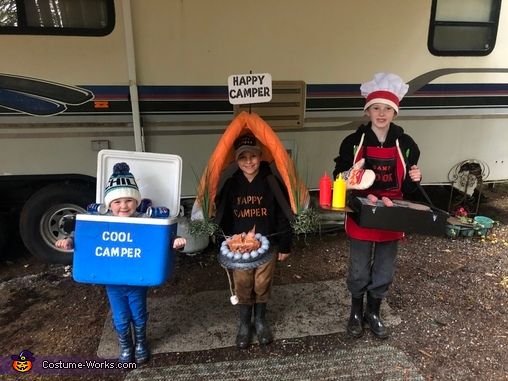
{"x": 141, "y": 351}
{"x": 355, "y": 322}
{"x": 245, "y": 326}
{"x": 262, "y": 328}
{"x": 373, "y": 318}
{"x": 126, "y": 347}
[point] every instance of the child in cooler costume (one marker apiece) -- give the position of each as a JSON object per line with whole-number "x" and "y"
{"x": 128, "y": 303}
{"x": 393, "y": 156}
{"x": 247, "y": 201}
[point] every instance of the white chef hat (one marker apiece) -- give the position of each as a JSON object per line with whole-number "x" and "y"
{"x": 385, "y": 88}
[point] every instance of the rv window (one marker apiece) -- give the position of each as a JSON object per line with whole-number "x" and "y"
{"x": 57, "y": 17}
{"x": 463, "y": 27}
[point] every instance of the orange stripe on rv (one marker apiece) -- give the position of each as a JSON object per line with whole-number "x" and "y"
{"x": 101, "y": 104}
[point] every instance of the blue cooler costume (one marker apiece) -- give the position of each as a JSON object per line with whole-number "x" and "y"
{"x": 113, "y": 250}
{"x": 128, "y": 303}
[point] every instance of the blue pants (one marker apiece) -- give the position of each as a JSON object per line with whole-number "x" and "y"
{"x": 371, "y": 267}
{"x": 128, "y": 303}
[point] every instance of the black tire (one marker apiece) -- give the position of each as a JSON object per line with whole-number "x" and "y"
{"x": 40, "y": 222}
{"x": 4, "y": 233}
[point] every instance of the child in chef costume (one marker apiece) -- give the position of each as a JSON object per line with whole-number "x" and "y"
{"x": 383, "y": 147}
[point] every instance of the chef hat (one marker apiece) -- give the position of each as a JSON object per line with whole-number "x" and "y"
{"x": 385, "y": 88}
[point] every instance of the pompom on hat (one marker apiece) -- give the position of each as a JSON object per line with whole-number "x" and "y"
{"x": 121, "y": 184}
{"x": 246, "y": 143}
{"x": 385, "y": 88}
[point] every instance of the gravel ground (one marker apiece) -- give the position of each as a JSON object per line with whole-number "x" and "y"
{"x": 451, "y": 294}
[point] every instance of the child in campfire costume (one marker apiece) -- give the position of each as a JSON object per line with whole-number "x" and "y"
{"x": 393, "y": 156}
{"x": 246, "y": 202}
{"x": 128, "y": 303}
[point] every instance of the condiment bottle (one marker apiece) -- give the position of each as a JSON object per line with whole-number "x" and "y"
{"x": 339, "y": 192}
{"x": 325, "y": 191}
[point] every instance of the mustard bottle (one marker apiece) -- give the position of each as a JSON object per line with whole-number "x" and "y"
{"x": 339, "y": 192}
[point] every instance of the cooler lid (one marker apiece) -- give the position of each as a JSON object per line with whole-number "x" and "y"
{"x": 158, "y": 175}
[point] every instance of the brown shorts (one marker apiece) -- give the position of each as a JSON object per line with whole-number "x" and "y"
{"x": 255, "y": 285}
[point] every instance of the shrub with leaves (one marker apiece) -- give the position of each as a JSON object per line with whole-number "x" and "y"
{"x": 203, "y": 224}
{"x": 199, "y": 228}
{"x": 307, "y": 221}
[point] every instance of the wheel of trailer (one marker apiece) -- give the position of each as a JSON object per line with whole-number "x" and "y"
{"x": 41, "y": 219}
{"x": 3, "y": 234}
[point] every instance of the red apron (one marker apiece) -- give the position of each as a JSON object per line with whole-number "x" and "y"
{"x": 390, "y": 168}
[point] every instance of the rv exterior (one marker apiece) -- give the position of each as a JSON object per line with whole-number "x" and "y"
{"x": 77, "y": 77}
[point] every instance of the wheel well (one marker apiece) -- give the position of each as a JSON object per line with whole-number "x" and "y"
{"x": 16, "y": 190}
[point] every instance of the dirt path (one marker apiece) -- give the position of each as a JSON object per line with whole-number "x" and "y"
{"x": 452, "y": 297}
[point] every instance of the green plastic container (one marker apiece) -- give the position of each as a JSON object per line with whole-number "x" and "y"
{"x": 486, "y": 224}
{"x": 467, "y": 232}
{"x": 454, "y": 231}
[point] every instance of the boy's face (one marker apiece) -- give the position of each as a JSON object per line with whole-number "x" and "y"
{"x": 123, "y": 207}
{"x": 381, "y": 115}
{"x": 248, "y": 162}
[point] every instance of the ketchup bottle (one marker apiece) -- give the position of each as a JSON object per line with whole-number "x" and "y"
{"x": 325, "y": 191}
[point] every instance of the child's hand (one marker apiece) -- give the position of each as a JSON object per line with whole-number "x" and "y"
{"x": 179, "y": 243}
{"x": 282, "y": 257}
{"x": 373, "y": 199}
{"x": 415, "y": 173}
{"x": 387, "y": 201}
{"x": 65, "y": 244}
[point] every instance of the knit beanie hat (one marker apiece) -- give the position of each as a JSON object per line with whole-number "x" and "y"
{"x": 246, "y": 143}
{"x": 385, "y": 88}
{"x": 121, "y": 184}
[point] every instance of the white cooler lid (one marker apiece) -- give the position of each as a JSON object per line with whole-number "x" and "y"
{"x": 158, "y": 175}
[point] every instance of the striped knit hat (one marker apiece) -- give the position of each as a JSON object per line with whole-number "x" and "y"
{"x": 121, "y": 184}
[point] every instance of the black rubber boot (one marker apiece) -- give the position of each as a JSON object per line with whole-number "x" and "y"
{"x": 141, "y": 351}
{"x": 245, "y": 326}
{"x": 126, "y": 346}
{"x": 262, "y": 328}
{"x": 355, "y": 322}
{"x": 373, "y": 319}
